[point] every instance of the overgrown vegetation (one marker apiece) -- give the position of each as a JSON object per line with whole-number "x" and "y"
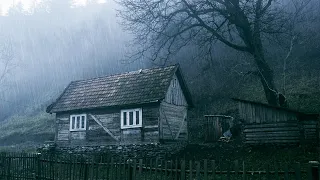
{"x": 26, "y": 132}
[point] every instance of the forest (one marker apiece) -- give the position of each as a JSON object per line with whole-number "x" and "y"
{"x": 47, "y": 44}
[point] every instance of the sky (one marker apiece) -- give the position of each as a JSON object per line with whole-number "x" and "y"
{"x": 27, "y": 4}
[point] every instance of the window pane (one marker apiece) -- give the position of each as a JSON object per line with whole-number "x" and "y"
{"x": 82, "y": 122}
{"x": 73, "y": 121}
{"x": 124, "y": 118}
{"x": 131, "y": 118}
{"x": 78, "y": 122}
{"x": 137, "y": 117}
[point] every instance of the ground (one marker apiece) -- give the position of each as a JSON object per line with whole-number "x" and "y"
{"x": 255, "y": 158}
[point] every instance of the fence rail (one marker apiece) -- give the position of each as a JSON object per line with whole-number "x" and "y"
{"x": 39, "y": 167}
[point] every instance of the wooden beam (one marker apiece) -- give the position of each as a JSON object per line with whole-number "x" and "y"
{"x": 104, "y": 128}
{"x": 165, "y": 117}
{"x": 181, "y": 125}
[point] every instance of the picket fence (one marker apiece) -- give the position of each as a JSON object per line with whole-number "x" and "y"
{"x": 19, "y": 166}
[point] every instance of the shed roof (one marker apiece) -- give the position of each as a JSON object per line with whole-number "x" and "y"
{"x": 132, "y": 88}
{"x": 278, "y": 107}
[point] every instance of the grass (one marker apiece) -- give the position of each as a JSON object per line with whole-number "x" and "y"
{"x": 24, "y": 133}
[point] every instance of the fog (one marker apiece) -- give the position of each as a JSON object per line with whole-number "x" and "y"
{"x": 53, "y": 44}
{"x": 50, "y": 43}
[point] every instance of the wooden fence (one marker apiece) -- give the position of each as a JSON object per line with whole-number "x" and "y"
{"x": 30, "y": 166}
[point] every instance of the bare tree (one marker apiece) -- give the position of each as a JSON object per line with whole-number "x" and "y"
{"x": 6, "y": 60}
{"x": 163, "y": 27}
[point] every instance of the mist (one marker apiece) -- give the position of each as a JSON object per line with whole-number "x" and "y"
{"x": 55, "y": 43}
{"x": 51, "y": 43}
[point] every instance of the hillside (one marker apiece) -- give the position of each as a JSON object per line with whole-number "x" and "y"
{"x": 23, "y": 133}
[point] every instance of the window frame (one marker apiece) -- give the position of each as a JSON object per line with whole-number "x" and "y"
{"x": 75, "y": 122}
{"x": 127, "y": 126}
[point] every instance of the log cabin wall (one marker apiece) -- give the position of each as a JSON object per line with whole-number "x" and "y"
{"x": 95, "y": 134}
{"x": 258, "y": 113}
{"x": 265, "y": 124}
{"x": 173, "y": 113}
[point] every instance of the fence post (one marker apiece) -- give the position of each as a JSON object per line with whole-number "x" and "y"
{"x": 205, "y": 169}
{"x": 86, "y": 171}
{"x": 38, "y": 172}
{"x": 8, "y": 168}
{"x": 313, "y": 173}
{"x": 298, "y": 171}
{"x": 183, "y": 170}
{"x": 2, "y": 164}
{"x": 130, "y": 171}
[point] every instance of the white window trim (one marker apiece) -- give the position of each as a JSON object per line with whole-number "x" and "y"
{"x": 134, "y": 117}
{"x": 75, "y": 123}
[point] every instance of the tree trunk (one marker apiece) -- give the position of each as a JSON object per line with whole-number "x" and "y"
{"x": 265, "y": 72}
{"x": 267, "y": 79}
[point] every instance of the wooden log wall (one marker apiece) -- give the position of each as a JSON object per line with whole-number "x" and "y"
{"x": 310, "y": 130}
{"x": 95, "y": 134}
{"x": 265, "y": 124}
{"x": 285, "y": 132}
{"x": 256, "y": 113}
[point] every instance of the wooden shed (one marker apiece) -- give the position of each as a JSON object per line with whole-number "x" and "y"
{"x": 265, "y": 124}
{"x": 144, "y": 106}
{"x": 216, "y": 125}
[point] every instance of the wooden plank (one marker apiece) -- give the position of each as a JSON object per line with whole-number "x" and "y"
{"x": 183, "y": 170}
{"x": 273, "y": 134}
{"x": 244, "y": 173}
{"x": 272, "y": 141}
{"x": 166, "y": 119}
{"x": 134, "y": 169}
{"x": 236, "y": 166}
{"x": 271, "y": 129}
{"x": 240, "y": 110}
{"x": 260, "y": 138}
{"x": 181, "y": 125}
{"x": 297, "y": 171}
{"x": 176, "y": 170}
{"x": 198, "y": 170}
{"x": 276, "y": 170}
{"x": 269, "y": 125}
{"x": 104, "y": 128}
{"x": 190, "y": 170}
{"x": 286, "y": 174}
{"x": 205, "y": 169}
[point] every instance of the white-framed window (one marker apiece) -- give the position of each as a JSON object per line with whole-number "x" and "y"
{"x": 131, "y": 118}
{"x": 78, "y": 122}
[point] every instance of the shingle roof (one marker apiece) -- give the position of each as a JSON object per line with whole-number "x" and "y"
{"x": 136, "y": 87}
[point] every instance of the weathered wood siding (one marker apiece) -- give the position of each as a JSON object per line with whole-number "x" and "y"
{"x": 150, "y": 122}
{"x": 110, "y": 119}
{"x": 265, "y": 124}
{"x": 173, "y": 113}
{"x": 175, "y": 94}
{"x": 216, "y": 125}
{"x": 255, "y": 113}
{"x": 285, "y": 132}
{"x": 311, "y": 131}
{"x": 173, "y": 122}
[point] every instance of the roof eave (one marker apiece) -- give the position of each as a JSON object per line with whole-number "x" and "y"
{"x": 108, "y": 107}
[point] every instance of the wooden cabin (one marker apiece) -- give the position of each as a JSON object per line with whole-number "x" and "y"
{"x": 144, "y": 106}
{"x": 264, "y": 124}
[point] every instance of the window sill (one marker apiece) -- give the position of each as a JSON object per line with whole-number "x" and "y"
{"x": 131, "y": 127}
{"x": 75, "y": 130}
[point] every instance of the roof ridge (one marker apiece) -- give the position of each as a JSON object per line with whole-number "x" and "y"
{"x": 125, "y": 73}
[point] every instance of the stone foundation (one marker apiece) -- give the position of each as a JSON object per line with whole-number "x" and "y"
{"x": 139, "y": 151}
